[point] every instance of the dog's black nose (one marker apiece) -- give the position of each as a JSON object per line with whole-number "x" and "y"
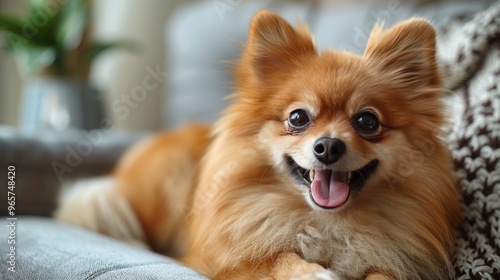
{"x": 329, "y": 150}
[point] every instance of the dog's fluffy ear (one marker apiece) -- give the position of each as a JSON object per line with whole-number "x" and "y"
{"x": 274, "y": 46}
{"x": 406, "y": 52}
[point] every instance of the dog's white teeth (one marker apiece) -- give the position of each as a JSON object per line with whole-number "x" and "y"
{"x": 311, "y": 175}
{"x": 348, "y": 176}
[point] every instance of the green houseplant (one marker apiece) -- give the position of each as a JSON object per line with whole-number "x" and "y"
{"x": 52, "y": 46}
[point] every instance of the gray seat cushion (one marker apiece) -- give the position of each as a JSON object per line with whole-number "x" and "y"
{"x": 46, "y": 249}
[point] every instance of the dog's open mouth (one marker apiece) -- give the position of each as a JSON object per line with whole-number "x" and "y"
{"x": 330, "y": 189}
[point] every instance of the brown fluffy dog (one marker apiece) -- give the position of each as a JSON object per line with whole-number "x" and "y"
{"x": 325, "y": 160}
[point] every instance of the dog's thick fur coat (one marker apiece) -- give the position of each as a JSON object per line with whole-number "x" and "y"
{"x": 227, "y": 200}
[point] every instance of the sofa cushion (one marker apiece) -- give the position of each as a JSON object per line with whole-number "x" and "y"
{"x": 46, "y": 249}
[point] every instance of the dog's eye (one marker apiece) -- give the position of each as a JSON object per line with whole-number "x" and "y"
{"x": 366, "y": 123}
{"x": 298, "y": 119}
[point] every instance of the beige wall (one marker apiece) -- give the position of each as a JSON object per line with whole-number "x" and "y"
{"x": 123, "y": 76}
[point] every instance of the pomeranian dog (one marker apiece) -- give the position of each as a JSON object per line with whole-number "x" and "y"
{"x": 328, "y": 165}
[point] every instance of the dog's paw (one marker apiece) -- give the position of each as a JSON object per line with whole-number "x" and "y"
{"x": 312, "y": 243}
{"x": 317, "y": 275}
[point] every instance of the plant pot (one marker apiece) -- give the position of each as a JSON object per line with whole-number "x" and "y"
{"x": 51, "y": 103}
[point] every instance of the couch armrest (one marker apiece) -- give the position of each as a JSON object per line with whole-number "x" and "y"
{"x": 45, "y": 160}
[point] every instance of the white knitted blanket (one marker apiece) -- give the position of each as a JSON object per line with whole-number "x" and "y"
{"x": 469, "y": 49}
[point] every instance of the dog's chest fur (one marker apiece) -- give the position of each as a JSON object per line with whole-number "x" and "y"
{"x": 349, "y": 252}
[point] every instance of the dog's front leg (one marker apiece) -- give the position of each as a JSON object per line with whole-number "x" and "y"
{"x": 289, "y": 266}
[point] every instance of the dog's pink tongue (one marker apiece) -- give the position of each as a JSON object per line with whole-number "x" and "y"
{"x": 329, "y": 189}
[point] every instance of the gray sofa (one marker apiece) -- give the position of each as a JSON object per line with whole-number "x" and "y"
{"x": 200, "y": 38}
{"x": 49, "y": 250}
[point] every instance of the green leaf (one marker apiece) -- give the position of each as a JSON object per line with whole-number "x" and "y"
{"x": 15, "y": 43}
{"x": 12, "y": 24}
{"x": 36, "y": 26}
{"x": 35, "y": 58}
{"x": 74, "y": 18}
{"x": 49, "y": 32}
{"x": 100, "y": 48}
{"x": 29, "y": 57}
{"x": 37, "y": 5}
